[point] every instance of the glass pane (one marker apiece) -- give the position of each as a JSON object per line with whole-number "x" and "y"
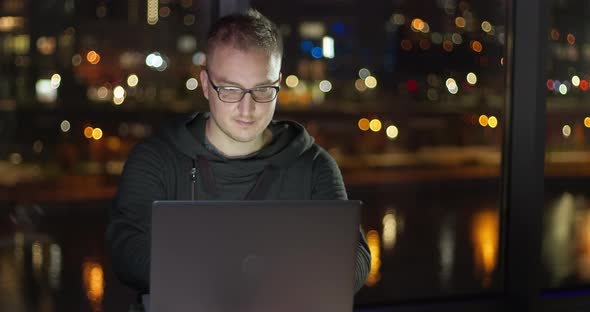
{"x": 566, "y": 240}
{"x": 408, "y": 96}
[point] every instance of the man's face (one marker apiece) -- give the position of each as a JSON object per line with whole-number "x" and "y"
{"x": 242, "y": 123}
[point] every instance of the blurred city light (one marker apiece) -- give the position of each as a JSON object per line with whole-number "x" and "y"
{"x": 37, "y": 256}
{"x": 364, "y": 73}
{"x": 132, "y": 80}
{"x": 390, "y": 229}
{"x": 476, "y": 46}
{"x": 571, "y": 39}
{"x": 317, "y": 52}
{"x": 432, "y": 94}
{"x": 192, "y": 84}
{"x": 46, "y": 45}
{"x": 485, "y": 237}
{"x": 15, "y": 158}
{"x": 44, "y": 91}
{"x": 584, "y": 85}
{"x": 566, "y": 131}
{"x": 55, "y": 265}
{"x": 492, "y": 122}
{"x": 11, "y": 23}
{"x": 186, "y": 44}
{"x": 154, "y": 59}
{"x": 55, "y": 81}
{"x": 312, "y": 30}
{"x": 88, "y": 132}
{"x": 448, "y": 46}
{"x": 392, "y": 132}
{"x": 554, "y": 34}
{"x": 306, "y": 46}
{"x": 486, "y": 26}
{"x": 360, "y": 85}
{"x": 375, "y": 125}
{"x": 412, "y": 85}
{"x": 452, "y": 86}
{"x": 563, "y": 89}
{"x": 364, "y": 124}
{"x": 375, "y": 250}
{"x": 97, "y": 133}
{"x": 406, "y": 44}
{"x": 93, "y": 281}
{"x": 398, "y": 19}
{"x": 328, "y": 47}
{"x": 76, "y": 59}
{"x": 471, "y": 78}
{"x": 164, "y": 11}
{"x": 325, "y": 86}
{"x": 576, "y": 81}
{"x": 199, "y": 59}
{"x": 102, "y": 92}
{"x": 113, "y": 143}
{"x": 118, "y": 95}
{"x": 38, "y": 146}
{"x": 424, "y": 44}
{"x": 188, "y": 20}
{"x": 119, "y": 92}
{"x": 152, "y": 12}
{"x": 483, "y": 120}
{"x": 417, "y": 25}
{"x": 65, "y": 126}
{"x": 587, "y": 122}
{"x": 550, "y": 85}
{"x": 460, "y": 22}
{"x": 371, "y": 82}
{"x": 457, "y": 39}
{"x": 93, "y": 57}
{"x": 292, "y": 81}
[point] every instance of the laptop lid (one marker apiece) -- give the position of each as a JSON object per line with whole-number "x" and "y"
{"x": 253, "y": 255}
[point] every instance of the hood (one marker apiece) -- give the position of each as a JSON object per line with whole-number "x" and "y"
{"x": 187, "y": 135}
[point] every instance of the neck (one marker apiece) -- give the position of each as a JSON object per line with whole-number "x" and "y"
{"x": 232, "y": 148}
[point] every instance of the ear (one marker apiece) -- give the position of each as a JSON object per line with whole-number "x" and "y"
{"x": 205, "y": 83}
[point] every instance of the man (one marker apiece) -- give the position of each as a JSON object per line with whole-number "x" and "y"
{"x": 234, "y": 152}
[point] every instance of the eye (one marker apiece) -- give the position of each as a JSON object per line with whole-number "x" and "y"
{"x": 231, "y": 89}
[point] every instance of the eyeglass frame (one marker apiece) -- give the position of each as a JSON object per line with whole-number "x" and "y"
{"x": 244, "y": 91}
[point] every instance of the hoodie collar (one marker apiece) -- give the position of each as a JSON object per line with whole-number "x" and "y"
{"x": 290, "y": 140}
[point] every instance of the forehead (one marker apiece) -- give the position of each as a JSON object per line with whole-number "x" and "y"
{"x": 243, "y": 66}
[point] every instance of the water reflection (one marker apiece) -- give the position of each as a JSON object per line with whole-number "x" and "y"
{"x": 93, "y": 278}
{"x": 37, "y": 258}
{"x": 485, "y": 236}
{"x": 566, "y": 241}
{"x": 392, "y": 225}
{"x": 558, "y": 241}
{"x": 446, "y": 247}
{"x": 375, "y": 247}
{"x": 54, "y": 270}
{"x": 583, "y": 246}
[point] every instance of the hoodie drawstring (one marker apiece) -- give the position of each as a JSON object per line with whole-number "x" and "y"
{"x": 193, "y": 180}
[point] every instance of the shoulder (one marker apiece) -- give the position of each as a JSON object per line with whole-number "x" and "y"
{"x": 322, "y": 159}
{"x": 152, "y": 151}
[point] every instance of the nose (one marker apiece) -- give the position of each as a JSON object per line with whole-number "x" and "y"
{"x": 247, "y": 105}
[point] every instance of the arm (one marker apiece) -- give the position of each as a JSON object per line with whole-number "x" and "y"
{"x": 327, "y": 183}
{"x": 128, "y": 230}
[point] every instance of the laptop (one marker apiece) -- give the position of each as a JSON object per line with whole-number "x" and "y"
{"x": 258, "y": 256}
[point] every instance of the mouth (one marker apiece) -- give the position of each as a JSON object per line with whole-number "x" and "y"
{"x": 244, "y": 123}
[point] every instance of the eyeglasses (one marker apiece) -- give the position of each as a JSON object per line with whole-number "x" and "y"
{"x": 233, "y": 94}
